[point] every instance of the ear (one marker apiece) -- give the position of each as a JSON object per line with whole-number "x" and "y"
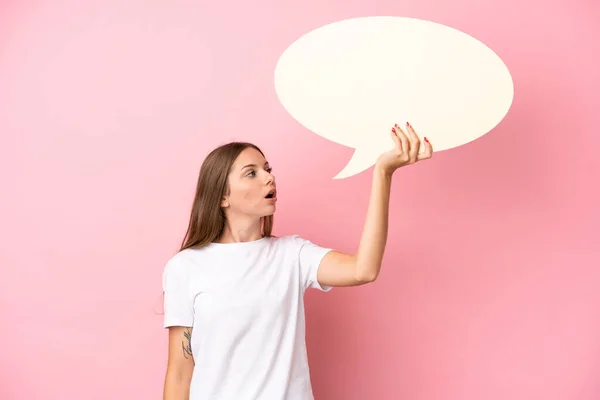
{"x": 225, "y": 202}
{"x": 225, "y": 198}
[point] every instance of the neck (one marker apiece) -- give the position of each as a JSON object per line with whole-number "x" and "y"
{"x": 237, "y": 231}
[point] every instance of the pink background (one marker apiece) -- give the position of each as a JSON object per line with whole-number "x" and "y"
{"x": 108, "y": 107}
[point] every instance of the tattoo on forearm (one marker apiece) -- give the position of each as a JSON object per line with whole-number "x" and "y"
{"x": 186, "y": 345}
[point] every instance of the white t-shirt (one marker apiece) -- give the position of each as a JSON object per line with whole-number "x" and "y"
{"x": 245, "y": 304}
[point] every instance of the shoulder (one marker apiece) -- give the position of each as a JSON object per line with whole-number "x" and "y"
{"x": 289, "y": 241}
{"x": 295, "y": 243}
{"x": 184, "y": 267}
{"x": 183, "y": 261}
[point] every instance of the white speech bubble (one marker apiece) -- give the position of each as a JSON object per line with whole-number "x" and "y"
{"x": 350, "y": 81}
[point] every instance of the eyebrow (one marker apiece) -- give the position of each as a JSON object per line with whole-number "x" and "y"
{"x": 253, "y": 165}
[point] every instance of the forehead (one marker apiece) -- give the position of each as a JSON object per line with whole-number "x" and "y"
{"x": 249, "y": 156}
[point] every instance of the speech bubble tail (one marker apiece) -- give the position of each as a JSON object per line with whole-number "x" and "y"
{"x": 360, "y": 161}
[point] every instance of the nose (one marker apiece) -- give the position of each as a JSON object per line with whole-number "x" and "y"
{"x": 270, "y": 178}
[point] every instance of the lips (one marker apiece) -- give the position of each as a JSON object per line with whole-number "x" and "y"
{"x": 271, "y": 194}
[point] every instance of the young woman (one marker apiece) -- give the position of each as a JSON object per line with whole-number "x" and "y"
{"x": 233, "y": 295}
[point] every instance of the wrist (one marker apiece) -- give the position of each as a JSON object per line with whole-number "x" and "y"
{"x": 382, "y": 172}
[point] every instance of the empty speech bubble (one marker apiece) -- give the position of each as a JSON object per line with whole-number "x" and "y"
{"x": 350, "y": 81}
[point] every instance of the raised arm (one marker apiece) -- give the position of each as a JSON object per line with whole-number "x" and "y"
{"x": 341, "y": 269}
{"x": 180, "y": 364}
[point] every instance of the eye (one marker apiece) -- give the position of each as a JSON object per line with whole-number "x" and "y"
{"x": 251, "y": 173}
{"x": 269, "y": 169}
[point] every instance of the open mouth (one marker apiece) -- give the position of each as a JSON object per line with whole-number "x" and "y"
{"x": 271, "y": 194}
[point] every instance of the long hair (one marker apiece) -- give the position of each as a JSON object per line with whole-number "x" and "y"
{"x": 207, "y": 219}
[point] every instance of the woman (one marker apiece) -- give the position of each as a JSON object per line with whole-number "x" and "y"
{"x": 233, "y": 295}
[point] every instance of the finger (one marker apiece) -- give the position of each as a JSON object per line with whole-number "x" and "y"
{"x": 427, "y": 151}
{"x": 415, "y": 142}
{"x": 400, "y": 141}
{"x": 403, "y": 138}
{"x": 397, "y": 142}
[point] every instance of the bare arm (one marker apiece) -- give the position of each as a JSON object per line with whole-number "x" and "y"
{"x": 340, "y": 269}
{"x": 180, "y": 364}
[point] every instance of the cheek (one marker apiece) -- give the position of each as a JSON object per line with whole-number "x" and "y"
{"x": 251, "y": 197}
{"x": 244, "y": 196}
{"x": 240, "y": 196}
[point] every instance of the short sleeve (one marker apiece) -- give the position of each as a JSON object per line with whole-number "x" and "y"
{"x": 178, "y": 302}
{"x": 310, "y": 256}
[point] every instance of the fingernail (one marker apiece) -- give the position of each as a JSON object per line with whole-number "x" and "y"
{"x": 394, "y": 130}
{"x": 396, "y": 125}
{"x": 426, "y": 140}
{"x": 407, "y": 124}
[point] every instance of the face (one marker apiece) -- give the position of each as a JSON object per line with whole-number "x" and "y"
{"x": 251, "y": 187}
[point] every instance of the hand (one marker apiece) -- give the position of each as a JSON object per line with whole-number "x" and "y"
{"x": 408, "y": 150}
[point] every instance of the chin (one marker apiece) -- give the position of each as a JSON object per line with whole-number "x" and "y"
{"x": 271, "y": 211}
